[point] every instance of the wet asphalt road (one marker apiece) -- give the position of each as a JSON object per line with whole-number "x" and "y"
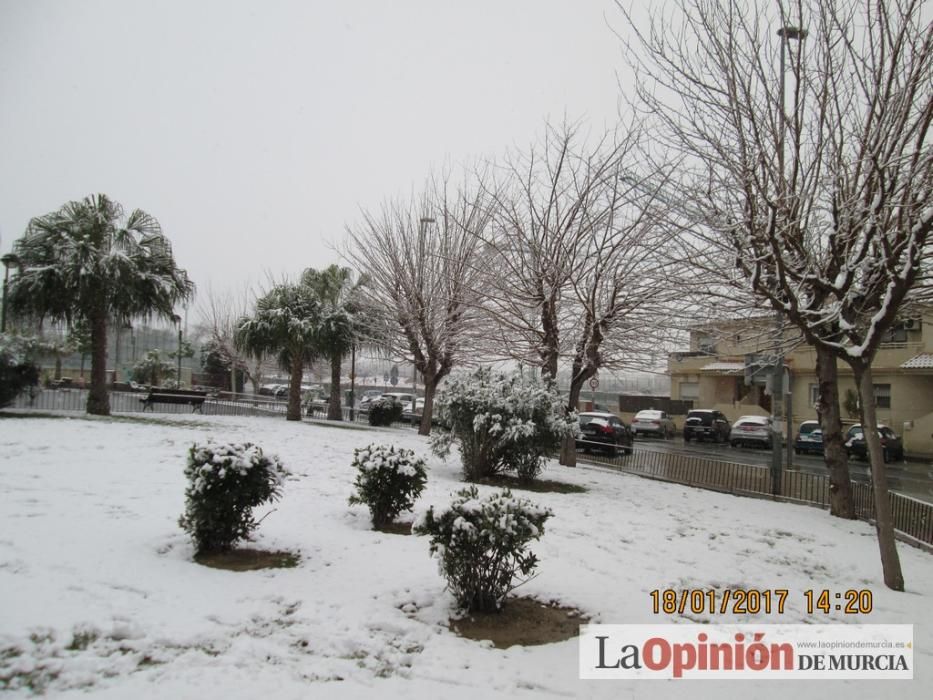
{"x": 913, "y": 479}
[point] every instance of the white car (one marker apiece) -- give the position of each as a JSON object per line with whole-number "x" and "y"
{"x": 752, "y": 430}
{"x": 652, "y": 422}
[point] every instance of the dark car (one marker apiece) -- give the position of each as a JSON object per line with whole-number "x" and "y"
{"x": 892, "y": 448}
{"x": 704, "y": 424}
{"x": 603, "y": 431}
{"x": 809, "y": 438}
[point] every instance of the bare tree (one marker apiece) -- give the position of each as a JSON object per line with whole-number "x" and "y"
{"x": 577, "y": 275}
{"x": 219, "y": 313}
{"x": 421, "y": 262}
{"x": 824, "y": 205}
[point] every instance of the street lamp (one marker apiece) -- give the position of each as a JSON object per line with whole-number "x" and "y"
{"x": 422, "y": 227}
{"x": 778, "y": 412}
{"x": 9, "y": 260}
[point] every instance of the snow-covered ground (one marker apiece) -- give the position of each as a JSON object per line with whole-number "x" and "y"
{"x": 91, "y": 557}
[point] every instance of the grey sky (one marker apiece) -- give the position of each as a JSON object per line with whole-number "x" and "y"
{"x": 255, "y": 131}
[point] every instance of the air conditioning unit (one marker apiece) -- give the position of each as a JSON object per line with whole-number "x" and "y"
{"x": 912, "y": 324}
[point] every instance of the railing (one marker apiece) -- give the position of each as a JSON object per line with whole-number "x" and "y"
{"x": 912, "y": 517}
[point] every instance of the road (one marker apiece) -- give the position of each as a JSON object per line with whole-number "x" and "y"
{"x": 913, "y": 479}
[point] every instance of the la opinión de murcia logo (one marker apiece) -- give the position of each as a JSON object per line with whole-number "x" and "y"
{"x": 746, "y": 651}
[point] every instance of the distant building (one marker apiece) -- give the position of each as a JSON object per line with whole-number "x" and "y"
{"x": 712, "y": 374}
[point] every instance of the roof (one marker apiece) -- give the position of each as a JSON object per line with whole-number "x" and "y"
{"x": 922, "y": 361}
{"x": 732, "y": 367}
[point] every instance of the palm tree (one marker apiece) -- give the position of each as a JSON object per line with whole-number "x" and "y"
{"x": 285, "y": 325}
{"x": 337, "y": 326}
{"x": 82, "y": 263}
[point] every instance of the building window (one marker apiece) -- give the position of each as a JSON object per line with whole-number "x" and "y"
{"x": 897, "y": 334}
{"x": 814, "y": 394}
{"x": 689, "y": 391}
{"x": 883, "y": 395}
{"x": 706, "y": 343}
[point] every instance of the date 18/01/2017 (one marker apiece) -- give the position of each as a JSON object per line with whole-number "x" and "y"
{"x": 739, "y": 601}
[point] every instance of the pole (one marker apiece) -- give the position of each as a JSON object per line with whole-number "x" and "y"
{"x": 178, "y": 377}
{"x": 352, "y": 382}
{"x": 6, "y": 282}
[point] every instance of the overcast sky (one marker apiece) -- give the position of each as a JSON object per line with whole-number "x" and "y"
{"x": 255, "y": 131}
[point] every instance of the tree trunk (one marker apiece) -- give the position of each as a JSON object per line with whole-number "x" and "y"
{"x": 334, "y": 411}
{"x": 427, "y": 413}
{"x": 568, "y": 447}
{"x": 884, "y": 519}
{"x": 98, "y": 400}
{"x": 841, "y": 504}
{"x": 294, "y": 390}
{"x": 58, "y": 367}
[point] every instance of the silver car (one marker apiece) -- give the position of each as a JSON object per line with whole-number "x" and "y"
{"x": 755, "y": 431}
{"x": 652, "y": 422}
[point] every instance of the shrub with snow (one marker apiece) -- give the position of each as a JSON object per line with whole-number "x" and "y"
{"x": 17, "y": 371}
{"x": 481, "y": 545}
{"x": 225, "y": 483}
{"x": 384, "y": 412}
{"x": 388, "y": 480}
{"x": 501, "y": 423}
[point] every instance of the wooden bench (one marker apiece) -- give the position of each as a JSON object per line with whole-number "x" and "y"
{"x": 193, "y": 398}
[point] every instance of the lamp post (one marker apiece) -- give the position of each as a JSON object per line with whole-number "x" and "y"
{"x": 778, "y": 417}
{"x": 422, "y": 228}
{"x": 9, "y": 260}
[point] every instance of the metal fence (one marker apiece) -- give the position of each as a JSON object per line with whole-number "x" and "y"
{"x": 912, "y": 518}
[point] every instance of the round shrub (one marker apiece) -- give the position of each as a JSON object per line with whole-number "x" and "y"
{"x": 385, "y": 412}
{"x": 501, "y": 423}
{"x": 225, "y": 483}
{"x": 388, "y": 481}
{"x": 481, "y": 545}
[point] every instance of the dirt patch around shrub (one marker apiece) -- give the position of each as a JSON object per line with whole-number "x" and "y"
{"x": 248, "y": 559}
{"x": 522, "y": 621}
{"x": 396, "y": 528}
{"x": 537, "y": 485}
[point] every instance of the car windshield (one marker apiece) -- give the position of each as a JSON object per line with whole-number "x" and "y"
{"x": 587, "y": 419}
{"x": 704, "y": 417}
{"x": 809, "y": 427}
{"x": 648, "y": 415}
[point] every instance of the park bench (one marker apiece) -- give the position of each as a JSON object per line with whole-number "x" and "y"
{"x": 193, "y": 398}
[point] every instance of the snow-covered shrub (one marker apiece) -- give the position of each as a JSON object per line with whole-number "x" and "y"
{"x": 225, "y": 483}
{"x": 388, "y": 480}
{"x": 385, "y": 412}
{"x": 501, "y": 422}
{"x": 17, "y": 371}
{"x": 481, "y": 545}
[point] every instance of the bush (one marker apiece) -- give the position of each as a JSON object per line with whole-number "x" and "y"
{"x": 501, "y": 423}
{"x": 388, "y": 481}
{"x": 481, "y": 545}
{"x": 17, "y": 372}
{"x": 384, "y": 412}
{"x": 225, "y": 483}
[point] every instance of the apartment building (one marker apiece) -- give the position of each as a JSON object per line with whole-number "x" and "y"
{"x": 712, "y": 374}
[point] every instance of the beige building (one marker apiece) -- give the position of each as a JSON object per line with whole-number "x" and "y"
{"x": 712, "y": 375}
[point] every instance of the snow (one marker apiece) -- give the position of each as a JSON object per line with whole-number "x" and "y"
{"x": 91, "y": 556}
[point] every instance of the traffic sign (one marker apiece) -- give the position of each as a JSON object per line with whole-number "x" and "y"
{"x": 594, "y": 383}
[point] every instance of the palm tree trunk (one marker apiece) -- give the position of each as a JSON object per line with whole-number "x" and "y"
{"x": 884, "y": 518}
{"x": 334, "y": 410}
{"x": 841, "y": 504}
{"x": 98, "y": 400}
{"x": 293, "y": 412}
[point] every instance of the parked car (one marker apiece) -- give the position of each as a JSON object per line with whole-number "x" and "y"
{"x": 755, "y": 431}
{"x": 809, "y": 438}
{"x": 406, "y": 400}
{"x": 369, "y": 396}
{"x": 892, "y": 448}
{"x": 604, "y": 431}
{"x": 652, "y": 422}
{"x": 704, "y": 424}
